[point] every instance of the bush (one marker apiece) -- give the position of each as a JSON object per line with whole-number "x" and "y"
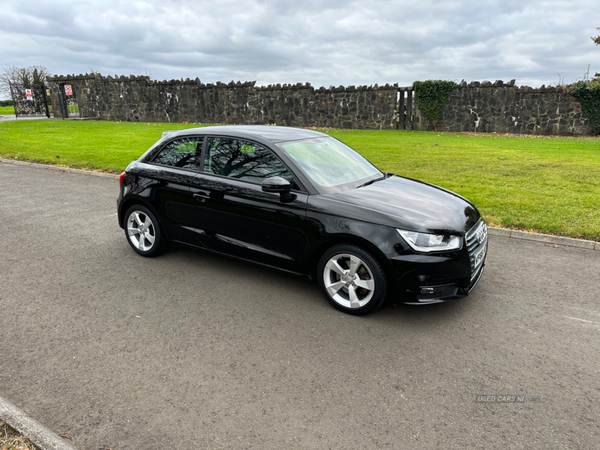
{"x": 6, "y": 103}
{"x": 432, "y": 97}
{"x": 588, "y": 94}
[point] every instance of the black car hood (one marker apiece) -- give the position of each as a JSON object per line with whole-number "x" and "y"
{"x": 402, "y": 203}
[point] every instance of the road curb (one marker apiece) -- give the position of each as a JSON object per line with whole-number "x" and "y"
{"x": 545, "y": 238}
{"x": 59, "y": 168}
{"x": 32, "y": 429}
{"x": 514, "y": 234}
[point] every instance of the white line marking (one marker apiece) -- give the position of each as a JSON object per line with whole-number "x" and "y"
{"x": 582, "y": 320}
{"x": 589, "y": 311}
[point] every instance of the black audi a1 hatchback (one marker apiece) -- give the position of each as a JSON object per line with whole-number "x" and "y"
{"x": 304, "y": 202}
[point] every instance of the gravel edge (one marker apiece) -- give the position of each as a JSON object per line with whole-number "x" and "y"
{"x": 59, "y": 168}
{"x": 14, "y": 440}
{"x": 32, "y": 429}
{"x": 493, "y": 231}
{"x": 545, "y": 238}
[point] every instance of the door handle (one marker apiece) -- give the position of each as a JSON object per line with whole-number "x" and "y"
{"x": 202, "y": 196}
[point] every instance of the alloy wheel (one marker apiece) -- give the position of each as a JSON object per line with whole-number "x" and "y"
{"x": 348, "y": 281}
{"x": 141, "y": 231}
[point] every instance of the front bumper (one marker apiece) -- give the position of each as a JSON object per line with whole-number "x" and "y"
{"x": 429, "y": 295}
{"x": 423, "y": 279}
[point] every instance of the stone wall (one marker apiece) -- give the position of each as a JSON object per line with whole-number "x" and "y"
{"x": 142, "y": 99}
{"x": 478, "y": 107}
{"x": 505, "y": 108}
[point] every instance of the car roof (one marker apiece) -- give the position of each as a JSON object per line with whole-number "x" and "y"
{"x": 270, "y": 133}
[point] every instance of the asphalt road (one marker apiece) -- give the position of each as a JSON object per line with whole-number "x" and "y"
{"x": 191, "y": 350}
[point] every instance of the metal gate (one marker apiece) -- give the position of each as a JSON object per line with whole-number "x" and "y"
{"x": 406, "y": 103}
{"x": 29, "y": 100}
{"x": 67, "y": 99}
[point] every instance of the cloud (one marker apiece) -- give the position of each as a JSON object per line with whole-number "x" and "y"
{"x": 282, "y": 41}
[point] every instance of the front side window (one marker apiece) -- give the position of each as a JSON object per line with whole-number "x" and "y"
{"x": 244, "y": 160}
{"x": 183, "y": 153}
{"x": 330, "y": 163}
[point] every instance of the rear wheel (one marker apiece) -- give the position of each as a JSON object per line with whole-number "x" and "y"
{"x": 352, "y": 279}
{"x": 143, "y": 232}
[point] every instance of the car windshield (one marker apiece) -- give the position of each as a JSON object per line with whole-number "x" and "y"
{"x": 330, "y": 163}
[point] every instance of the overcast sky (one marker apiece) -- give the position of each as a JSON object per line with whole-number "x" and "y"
{"x": 330, "y": 42}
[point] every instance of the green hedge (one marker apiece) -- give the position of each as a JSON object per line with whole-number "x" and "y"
{"x": 432, "y": 97}
{"x": 588, "y": 94}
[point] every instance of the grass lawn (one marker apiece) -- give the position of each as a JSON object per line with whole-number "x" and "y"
{"x": 550, "y": 185}
{"x": 107, "y": 146}
{"x": 11, "y": 439}
{"x": 6, "y": 110}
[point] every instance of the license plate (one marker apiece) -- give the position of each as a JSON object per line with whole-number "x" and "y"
{"x": 479, "y": 256}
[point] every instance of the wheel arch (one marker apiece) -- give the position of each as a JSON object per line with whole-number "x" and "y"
{"x": 351, "y": 239}
{"x": 128, "y": 203}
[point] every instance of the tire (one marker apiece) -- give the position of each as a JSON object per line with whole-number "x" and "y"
{"x": 150, "y": 241}
{"x": 352, "y": 279}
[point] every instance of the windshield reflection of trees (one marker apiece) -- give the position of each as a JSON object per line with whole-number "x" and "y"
{"x": 243, "y": 160}
{"x": 180, "y": 153}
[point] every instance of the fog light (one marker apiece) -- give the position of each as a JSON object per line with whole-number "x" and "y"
{"x": 434, "y": 292}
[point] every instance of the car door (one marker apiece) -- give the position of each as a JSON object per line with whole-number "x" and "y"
{"x": 169, "y": 175}
{"x": 234, "y": 216}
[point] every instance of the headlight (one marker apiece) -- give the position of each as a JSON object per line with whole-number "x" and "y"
{"x": 425, "y": 242}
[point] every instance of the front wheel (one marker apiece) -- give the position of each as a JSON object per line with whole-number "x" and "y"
{"x": 143, "y": 232}
{"x": 352, "y": 279}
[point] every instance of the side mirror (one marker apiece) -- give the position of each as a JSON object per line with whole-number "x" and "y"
{"x": 278, "y": 185}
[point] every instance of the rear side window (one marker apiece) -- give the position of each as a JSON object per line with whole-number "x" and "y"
{"x": 183, "y": 153}
{"x": 244, "y": 160}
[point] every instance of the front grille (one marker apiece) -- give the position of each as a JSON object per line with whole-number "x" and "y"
{"x": 477, "y": 238}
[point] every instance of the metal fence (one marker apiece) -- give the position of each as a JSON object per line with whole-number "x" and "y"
{"x": 29, "y": 100}
{"x": 406, "y": 108}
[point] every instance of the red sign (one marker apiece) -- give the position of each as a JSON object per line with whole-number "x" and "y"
{"x": 68, "y": 90}
{"x": 28, "y": 94}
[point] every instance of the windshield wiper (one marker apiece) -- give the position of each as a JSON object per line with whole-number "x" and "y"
{"x": 371, "y": 182}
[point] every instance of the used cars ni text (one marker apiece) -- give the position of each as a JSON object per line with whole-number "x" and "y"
{"x": 304, "y": 202}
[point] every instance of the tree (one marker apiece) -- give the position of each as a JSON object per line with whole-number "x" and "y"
{"x": 28, "y": 76}
{"x": 597, "y": 38}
